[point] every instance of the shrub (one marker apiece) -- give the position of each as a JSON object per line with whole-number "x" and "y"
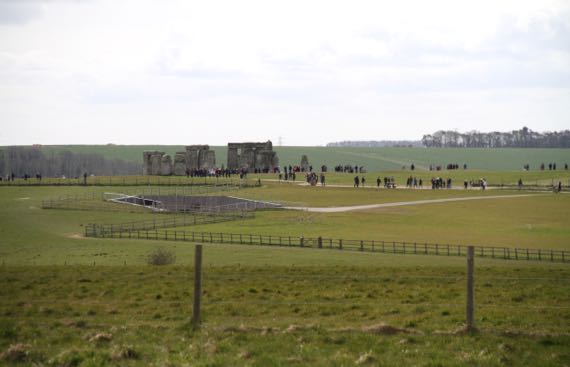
{"x": 161, "y": 257}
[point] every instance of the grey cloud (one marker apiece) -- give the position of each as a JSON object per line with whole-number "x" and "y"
{"x": 14, "y": 12}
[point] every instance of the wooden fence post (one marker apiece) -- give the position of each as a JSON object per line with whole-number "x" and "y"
{"x": 470, "y": 288}
{"x": 197, "y": 287}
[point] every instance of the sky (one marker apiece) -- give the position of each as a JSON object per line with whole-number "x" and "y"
{"x": 294, "y": 72}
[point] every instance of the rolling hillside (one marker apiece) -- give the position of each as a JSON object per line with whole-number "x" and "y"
{"x": 374, "y": 159}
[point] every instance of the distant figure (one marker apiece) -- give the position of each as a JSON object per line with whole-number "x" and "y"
{"x": 363, "y": 181}
{"x": 356, "y": 181}
{"x": 520, "y": 183}
{"x": 465, "y": 184}
{"x": 378, "y": 182}
{"x": 559, "y": 186}
{"x": 322, "y": 179}
{"x": 413, "y": 167}
{"x": 85, "y": 178}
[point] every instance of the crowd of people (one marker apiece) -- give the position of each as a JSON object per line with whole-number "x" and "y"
{"x": 347, "y": 168}
{"x": 449, "y": 166}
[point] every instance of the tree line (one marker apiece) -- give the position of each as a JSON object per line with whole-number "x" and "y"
{"x": 523, "y": 138}
{"x": 31, "y": 161}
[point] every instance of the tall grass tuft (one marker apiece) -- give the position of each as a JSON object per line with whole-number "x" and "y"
{"x": 161, "y": 256}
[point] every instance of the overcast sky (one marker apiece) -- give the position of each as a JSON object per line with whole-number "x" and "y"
{"x": 311, "y": 72}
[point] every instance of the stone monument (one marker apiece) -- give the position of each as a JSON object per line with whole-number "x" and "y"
{"x": 195, "y": 157}
{"x": 251, "y": 156}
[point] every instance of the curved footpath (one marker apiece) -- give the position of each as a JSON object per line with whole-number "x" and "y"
{"x": 339, "y": 209}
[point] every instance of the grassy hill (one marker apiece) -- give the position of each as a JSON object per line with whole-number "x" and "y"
{"x": 374, "y": 159}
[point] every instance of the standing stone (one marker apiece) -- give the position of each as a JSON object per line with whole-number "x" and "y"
{"x": 208, "y": 159}
{"x": 233, "y": 157}
{"x": 166, "y": 165}
{"x": 180, "y": 164}
{"x": 191, "y": 159}
{"x": 156, "y": 163}
{"x": 304, "y": 163}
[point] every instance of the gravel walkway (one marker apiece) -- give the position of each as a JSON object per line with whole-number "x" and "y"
{"x": 339, "y": 209}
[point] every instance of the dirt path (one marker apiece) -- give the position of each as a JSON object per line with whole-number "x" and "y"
{"x": 372, "y": 186}
{"x": 339, "y": 209}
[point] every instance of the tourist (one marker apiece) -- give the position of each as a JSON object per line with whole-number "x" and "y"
{"x": 378, "y": 182}
{"x": 363, "y": 181}
{"x": 356, "y": 181}
{"x": 520, "y": 184}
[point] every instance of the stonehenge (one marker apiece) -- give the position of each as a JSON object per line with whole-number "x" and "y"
{"x": 241, "y": 156}
{"x": 252, "y": 156}
{"x": 195, "y": 157}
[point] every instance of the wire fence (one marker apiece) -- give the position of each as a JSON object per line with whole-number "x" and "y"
{"x": 102, "y": 200}
{"x": 148, "y": 226}
{"x": 295, "y": 299}
{"x": 375, "y": 246}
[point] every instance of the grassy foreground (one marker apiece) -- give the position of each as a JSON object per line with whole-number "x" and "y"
{"x": 70, "y": 301}
{"x": 283, "y": 315}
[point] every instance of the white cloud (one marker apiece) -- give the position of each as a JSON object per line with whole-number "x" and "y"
{"x": 311, "y": 72}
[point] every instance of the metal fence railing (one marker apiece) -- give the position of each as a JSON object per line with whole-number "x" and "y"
{"x": 394, "y": 247}
{"x": 170, "y": 221}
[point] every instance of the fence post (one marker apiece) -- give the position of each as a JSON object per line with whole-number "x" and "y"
{"x": 470, "y": 291}
{"x": 197, "y": 286}
{"x": 361, "y": 245}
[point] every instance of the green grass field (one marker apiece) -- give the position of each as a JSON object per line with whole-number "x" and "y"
{"x": 374, "y": 159}
{"x": 67, "y": 300}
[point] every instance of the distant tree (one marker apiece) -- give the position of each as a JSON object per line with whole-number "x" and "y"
{"x": 523, "y": 138}
{"x": 31, "y": 161}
